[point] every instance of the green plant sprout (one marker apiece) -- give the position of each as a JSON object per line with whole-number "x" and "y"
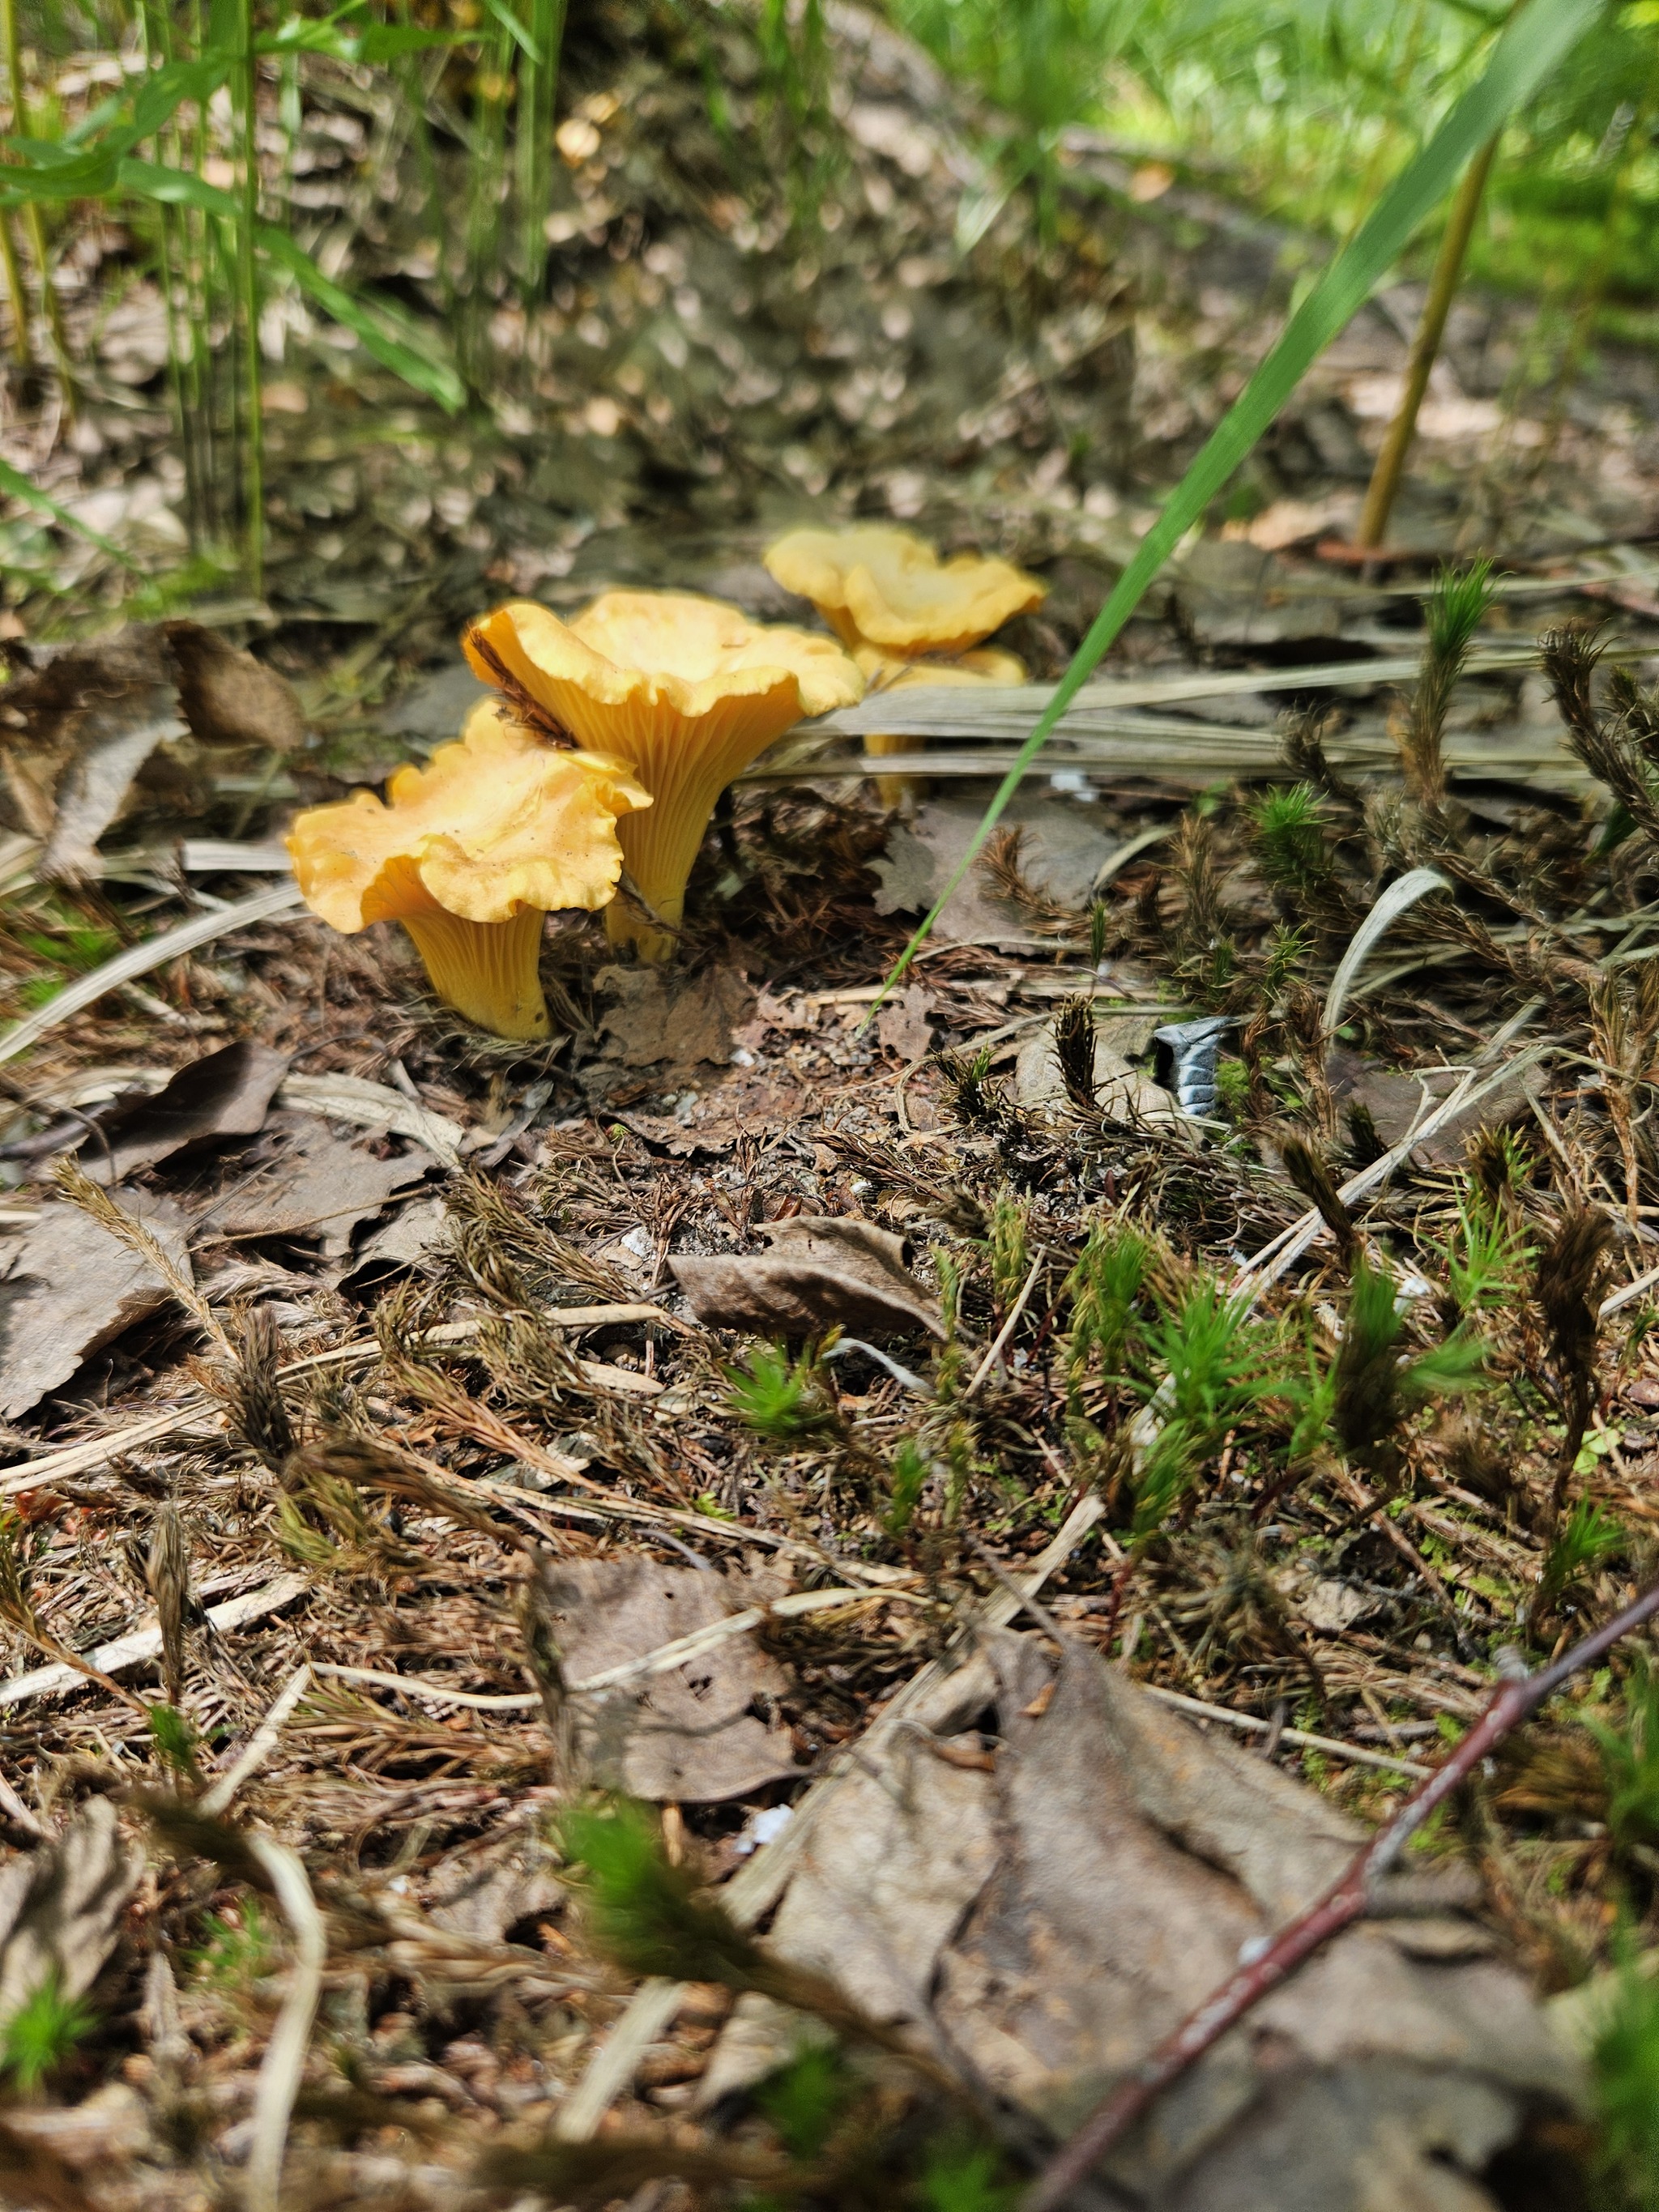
{"x": 781, "y": 1397}
{"x": 1486, "y": 1255}
{"x": 43, "y": 2034}
{"x": 961, "y": 2175}
{"x": 1624, "y": 2089}
{"x": 1104, "y": 1287}
{"x": 1010, "y": 1219}
{"x": 235, "y": 1954}
{"x": 1375, "y": 1388}
{"x": 1204, "y": 1367}
{"x": 1630, "y": 1758}
{"x": 907, "y": 1479}
{"x": 1289, "y": 834}
{"x": 1586, "y": 1538}
{"x": 806, "y": 2098}
{"x": 176, "y": 1742}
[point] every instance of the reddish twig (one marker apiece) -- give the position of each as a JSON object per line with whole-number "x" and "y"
{"x": 1345, "y": 1901}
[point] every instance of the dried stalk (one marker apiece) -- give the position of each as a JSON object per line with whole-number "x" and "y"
{"x": 285, "y": 2054}
{"x": 166, "y": 1570}
{"x": 1425, "y": 347}
{"x": 1569, "y": 1285}
{"x": 1347, "y": 1900}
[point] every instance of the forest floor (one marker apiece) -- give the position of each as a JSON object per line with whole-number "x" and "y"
{"x": 377, "y": 1434}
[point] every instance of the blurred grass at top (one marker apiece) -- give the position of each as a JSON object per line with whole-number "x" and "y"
{"x": 205, "y": 130}
{"x": 1306, "y": 109}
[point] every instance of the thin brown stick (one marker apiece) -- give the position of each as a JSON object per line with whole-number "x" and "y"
{"x": 1345, "y": 1902}
{"x": 1425, "y": 347}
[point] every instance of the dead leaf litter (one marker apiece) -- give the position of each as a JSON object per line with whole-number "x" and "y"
{"x": 1019, "y": 1472}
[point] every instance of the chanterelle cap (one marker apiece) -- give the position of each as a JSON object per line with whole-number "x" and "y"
{"x": 686, "y": 690}
{"x": 890, "y": 587}
{"x": 469, "y": 853}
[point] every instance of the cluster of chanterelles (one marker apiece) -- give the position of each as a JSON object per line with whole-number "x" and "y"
{"x": 610, "y": 741}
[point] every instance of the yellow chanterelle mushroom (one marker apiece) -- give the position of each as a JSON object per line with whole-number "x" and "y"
{"x": 907, "y": 616}
{"x": 469, "y": 853}
{"x": 878, "y": 585}
{"x": 686, "y": 690}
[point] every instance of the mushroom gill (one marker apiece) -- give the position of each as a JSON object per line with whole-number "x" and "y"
{"x": 686, "y": 690}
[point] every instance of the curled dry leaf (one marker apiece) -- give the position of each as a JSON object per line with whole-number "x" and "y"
{"x": 92, "y": 789}
{"x": 691, "y": 1736}
{"x": 823, "y": 1271}
{"x": 226, "y": 1093}
{"x": 1053, "y": 1918}
{"x": 1396, "y": 1101}
{"x": 687, "y": 1022}
{"x": 61, "y": 1906}
{"x": 312, "y": 1183}
{"x": 77, "y": 730}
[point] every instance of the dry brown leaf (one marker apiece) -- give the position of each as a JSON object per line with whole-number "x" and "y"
{"x": 73, "y": 1288}
{"x": 312, "y": 1183}
{"x": 823, "y": 1271}
{"x": 229, "y": 698}
{"x": 92, "y": 789}
{"x": 84, "y": 734}
{"x": 480, "y": 1894}
{"x": 226, "y": 1093}
{"x": 691, "y": 1736}
{"x": 687, "y": 1021}
{"x": 902, "y": 1026}
{"x": 1395, "y": 1098}
{"x": 61, "y": 1907}
{"x": 1100, "y": 1882}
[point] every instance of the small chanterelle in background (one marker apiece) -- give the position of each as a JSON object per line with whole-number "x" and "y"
{"x": 906, "y": 617}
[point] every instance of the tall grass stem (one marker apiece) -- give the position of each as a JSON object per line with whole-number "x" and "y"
{"x": 1384, "y": 486}
{"x": 17, "y": 299}
{"x": 34, "y": 220}
{"x": 247, "y": 270}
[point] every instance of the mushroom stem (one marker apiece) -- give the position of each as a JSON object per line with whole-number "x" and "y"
{"x": 892, "y": 790}
{"x": 659, "y": 855}
{"x": 624, "y": 923}
{"x": 487, "y": 970}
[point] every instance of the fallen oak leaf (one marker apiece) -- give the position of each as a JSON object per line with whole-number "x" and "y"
{"x": 823, "y": 1271}
{"x": 74, "y": 1286}
{"x": 1344, "y": 1901}
{"x": 225, "y": 1093}
{"x": 688, "y": 1736}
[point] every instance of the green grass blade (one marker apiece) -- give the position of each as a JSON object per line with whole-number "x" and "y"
{"x": 395, "y": 340}
{"x": 14, "y": 481}
{"x": 1535, "y": 42}
{"x": 515, "y": 30}
{"x": 82, "y": 165}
